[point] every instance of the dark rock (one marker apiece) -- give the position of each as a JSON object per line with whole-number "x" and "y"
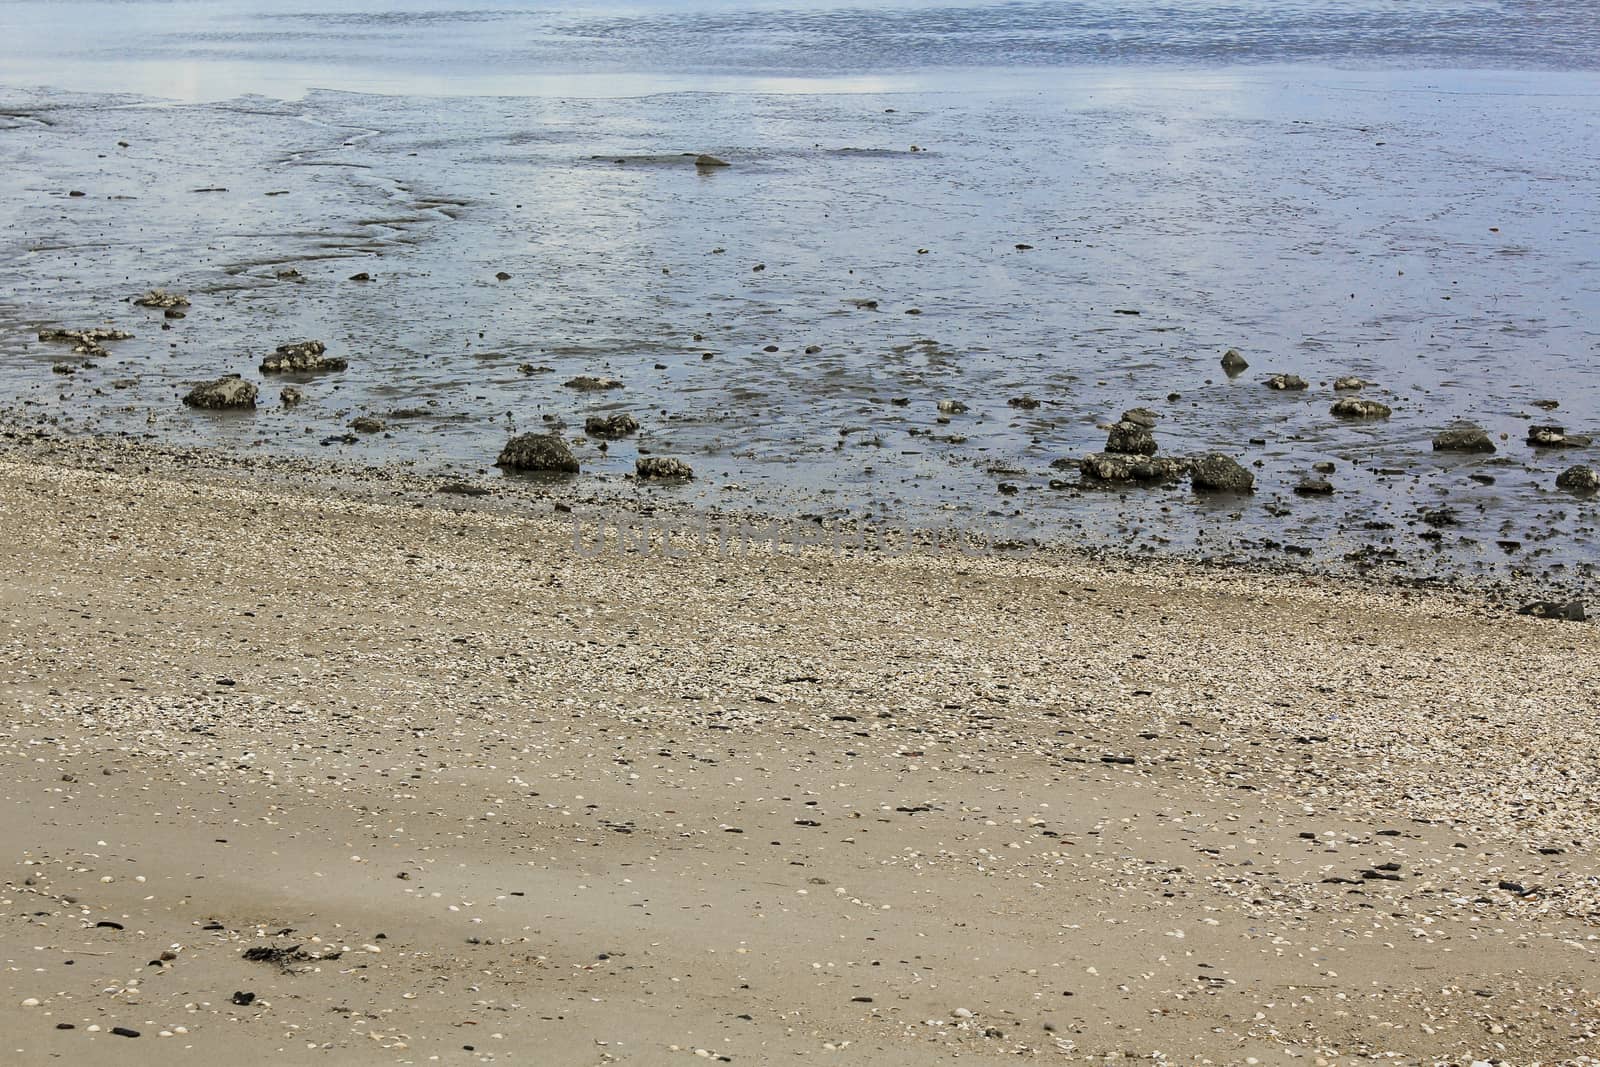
{"x": 952, "y": 407}
{"x": 289, "y": 396}
{"x": 650, "y": 467}
{"x": 588, "y": 383}
{"x": 1131, "y": 438}
{"x": 1216, "y": 473}
{"x": 367, "y": 424}
{"x": 123, "y": 1031}
{"x": 1566, "y": 611}
{"x": 244, "y": 1000}
{"x": 1547, "y": 405}
{"x": 709, "y": 161}
{"x": 537, "y": 452}
{"x": 1578, "y": 480}
{"x": 362, "y": 277}
{"x": 1463, "y": 437}
{"x": 301, "y": 357}
{"x": 610, "y": 426}
{"x": 1286, "y": 381}
{"x": 1324, "y": 466}
{"x": 1350, "y": 382}
{"x": 1233, "y": 362}
{"x": 502, "y": 276}
{"x": 462, "y": 489}
{"x": 1314, "y": 487}
{"x": 1026, "y": 403}
{"x": 230, "y": 393}
{"x": 1352, "y": 408}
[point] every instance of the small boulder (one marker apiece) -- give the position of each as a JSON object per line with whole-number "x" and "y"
{"x": 652, "y": 467}
{"x": 1233, "y": 363}
{"x": 704, "y": 160}
{"x": 1286, "y": 381}
{"x": 1352, "y": 408}
{"x": 1122, "y": 467}
{"x": 1131, "y": 438}
{"x": 952, "y": 407}
{"x": 301, "y": 357}
{"x": 232, "y": 393}
{"x": 1579, "y": 479}
{"x": 1547, "y": 436}
{"x": 589, "y": 383}
{"x": 1463, "y": 437}
{"x": 1026, "y": 403}
{"x": 1314, "y": 487}
{"x": 537, "y": 452}
{"x": 1350, "y": 382}
{"x": 1216, "y": 473}
{"x": 367, "y": 424}
{"x": 289, "y": 396}
{"x": 610, "y": 426}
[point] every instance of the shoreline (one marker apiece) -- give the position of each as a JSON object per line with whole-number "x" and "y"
{"x": 569, "y": 501}
{"x": 474, "y": 789}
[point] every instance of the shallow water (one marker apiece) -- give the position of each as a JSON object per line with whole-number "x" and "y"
{"x": 1430, "y": 230}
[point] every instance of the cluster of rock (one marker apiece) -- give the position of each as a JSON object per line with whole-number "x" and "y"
{"x": 1130, "y": 457}
{"x": 302, "y": 357}
{"x": 160, "y": 298}
{"x": 589, "y": 383}
{"x": 661, "y": 467}
{"x": 86, "y": 342}
{"x": 1557, "y": 437}
{"x": 1351, "y": 407}
{"x": 1463, "y": 437}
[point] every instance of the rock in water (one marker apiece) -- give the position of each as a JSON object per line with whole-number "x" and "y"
{"x": 1352, "y": 408}
{"x": 650, "y": 467}
{"x": 1216, "y": 473}
{"x": 952, "y": 407}
{"x": 1233, "y": 362}
{"x": 301, "y": 357}
{"x": 537, "y": 452}
{"x": 367, "y": 424}
{"x": 1286, "y": 381}
{"x": 1123, "y": 468}
{"x": 1132, "y": 439}
{"x": 289, "y": 396}
{"x": 1567, "y": 611}
{"x": 1314, "y": 487}
{"x": 588, "y": 383}
{"x": 1463, "y": 437}
{"x": 1547, "y": 436}
{"x": 223, "y": 394}
{"x": 610, "y": 426}
{"x": 1578, "y": 479}
{"x": 160, "y": 298}
{"x": 709, "y": 161}
{"x": 1351, "y": 382}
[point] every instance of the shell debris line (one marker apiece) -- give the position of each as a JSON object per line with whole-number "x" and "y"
{"x": 352, "y": 769}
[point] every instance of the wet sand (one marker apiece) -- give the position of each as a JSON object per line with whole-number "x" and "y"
{"x": 498, "y": 802}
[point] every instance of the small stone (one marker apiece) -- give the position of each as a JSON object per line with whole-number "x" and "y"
{"x": 362, "y": 277}
{"x": 1233, "y": 362}
{"x": 244, "y": 999}
{"x": 289, "y": 396}
{"x": 502, "y": 276}
{"x": 704, "y": 160}
{"x": 31, "y": 1002}
{"x": 367, "y": 424}
{"x": 123, "y": 1031}
{"x": 160, "y": 298}
{"x": 1026, "y": 403}
{"x": 1350, "y": 382}
{"x": 1314, "y": 487}
{"x": 1131, "y": 438}
{"x": 301, "y": 357}
{"x": 1286, "y": 381}
{"x": 952, "y": 407}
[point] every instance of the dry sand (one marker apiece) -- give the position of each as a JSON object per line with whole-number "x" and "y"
{"x": 503, "y": 804}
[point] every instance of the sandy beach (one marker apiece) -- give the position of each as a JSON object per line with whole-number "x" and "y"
{"x": 297, "y": 774}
